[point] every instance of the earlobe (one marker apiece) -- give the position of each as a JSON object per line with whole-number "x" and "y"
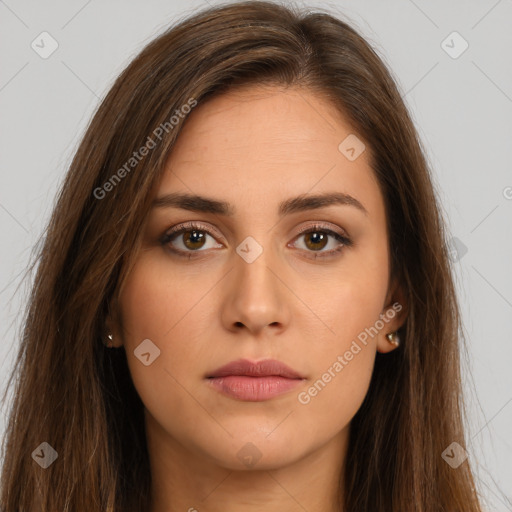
{"x": 389, "y": 338}
{"x": 108, "y": 342}
{"x": 111, "y": 340}
{"x": 393, "y": 338}
{"x": 111, "y": 335}
{"x": 388, "y": 342}
{"x": 396, "y": 313}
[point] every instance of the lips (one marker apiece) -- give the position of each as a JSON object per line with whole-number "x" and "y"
{"x": 254, "y": 382}
{"x": 266, "y": 368}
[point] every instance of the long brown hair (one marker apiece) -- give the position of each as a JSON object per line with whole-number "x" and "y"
{"x": 77, "y": 395}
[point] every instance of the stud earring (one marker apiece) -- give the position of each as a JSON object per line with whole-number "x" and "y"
{"x": 393, "y": 338}
{"x": 109, "y": 342}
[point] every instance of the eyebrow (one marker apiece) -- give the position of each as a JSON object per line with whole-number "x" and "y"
{"x": 300, "y": 203}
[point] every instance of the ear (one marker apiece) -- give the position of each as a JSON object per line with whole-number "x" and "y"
{"x": 393, "y": 315}
{"x": 112, "y": 326}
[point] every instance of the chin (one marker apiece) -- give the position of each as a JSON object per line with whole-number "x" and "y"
{"x": 254, "y": 451}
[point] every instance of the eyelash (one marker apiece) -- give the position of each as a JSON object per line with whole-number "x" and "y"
{"x": 176, "y": 231}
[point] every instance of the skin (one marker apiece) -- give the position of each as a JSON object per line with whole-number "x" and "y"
{"x": 255, "y": 147}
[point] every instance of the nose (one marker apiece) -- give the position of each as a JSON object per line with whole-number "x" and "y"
{"x": 255, "y": 295}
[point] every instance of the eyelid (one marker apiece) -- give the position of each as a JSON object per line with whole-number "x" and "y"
{"x": 200, "y": 226}
{"x": 323, "y": 226}
{"x": 192, "y": 224}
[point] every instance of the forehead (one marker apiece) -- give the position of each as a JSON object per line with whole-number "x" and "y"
{"x": 255, "y": 145}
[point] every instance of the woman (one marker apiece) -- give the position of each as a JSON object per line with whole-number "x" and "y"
{"x": 244, "y": 300}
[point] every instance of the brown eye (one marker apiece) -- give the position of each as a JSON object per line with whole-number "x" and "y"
{"x": 316, "y": 240}
{"x": 186, "y": 239}
{"x": 193, "y": 239}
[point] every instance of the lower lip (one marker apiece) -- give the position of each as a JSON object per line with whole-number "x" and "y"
{"x": 253, "y": 389}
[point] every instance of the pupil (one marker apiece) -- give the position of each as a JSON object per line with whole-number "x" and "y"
{"x": 314, "y": 239}
{"x": 194, "y": 238}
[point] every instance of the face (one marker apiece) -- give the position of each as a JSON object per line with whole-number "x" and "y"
{"x": 251, "y": 273}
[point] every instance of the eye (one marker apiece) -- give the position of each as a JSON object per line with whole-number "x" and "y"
{"x": 191, "y": 237}
{"x": 187, "y": 238}
{"x": 316, "y": 238}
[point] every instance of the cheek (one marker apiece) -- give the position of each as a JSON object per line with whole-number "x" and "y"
{"x": 342, "y": 359}
{"x": 350, "y": 304}
{"x": 174, "y": 317}
{"x": 341, "y": 364}
{"x": 154, "y": 308}
{"x": 157, "y": 301}
{"x": 334, "y": 395}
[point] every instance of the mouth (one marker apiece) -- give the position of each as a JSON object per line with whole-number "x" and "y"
{"x": 254, "y": 382}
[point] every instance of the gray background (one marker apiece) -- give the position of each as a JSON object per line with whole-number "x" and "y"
{"x": 462, "y": 107}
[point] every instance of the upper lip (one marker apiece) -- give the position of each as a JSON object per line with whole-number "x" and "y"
{"x": 265, "y": 368}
